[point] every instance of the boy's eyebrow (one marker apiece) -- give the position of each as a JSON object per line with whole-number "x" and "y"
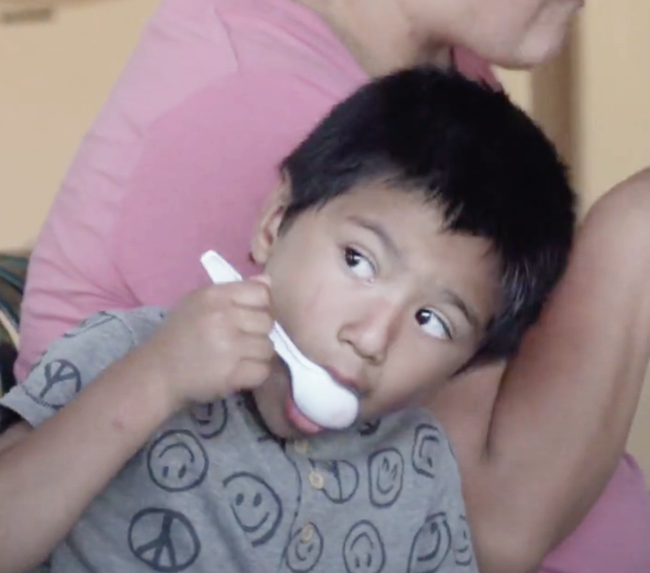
{"x": 467, "y": 310}
{"x": 380, "y": 232}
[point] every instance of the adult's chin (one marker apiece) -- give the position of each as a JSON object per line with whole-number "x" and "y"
{"x": 531, "y": 54}
{"x": 538, "y": 46}
{"x": 530, "y": 49}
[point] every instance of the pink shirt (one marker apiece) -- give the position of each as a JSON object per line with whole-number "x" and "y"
{"x": 180, "y": 160}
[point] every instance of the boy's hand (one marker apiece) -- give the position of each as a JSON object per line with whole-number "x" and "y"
{"x": 215, "y": 342}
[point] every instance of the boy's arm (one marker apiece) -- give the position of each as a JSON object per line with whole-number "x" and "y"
{"x": 13, "y": 435}
{"x": 215, "y": 342}
{"x": 50, "y": 474}
{"x": 566, "y": 404}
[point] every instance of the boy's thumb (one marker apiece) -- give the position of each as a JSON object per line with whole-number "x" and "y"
{"x": 264, "y": 279}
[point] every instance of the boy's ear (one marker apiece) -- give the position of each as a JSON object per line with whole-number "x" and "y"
{"x": 268, "y": 226}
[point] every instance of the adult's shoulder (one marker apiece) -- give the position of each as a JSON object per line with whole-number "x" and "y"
{"x": 190, "y": 45}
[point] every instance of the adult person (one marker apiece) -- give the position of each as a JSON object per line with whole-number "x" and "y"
{"x": 216, "y": 93}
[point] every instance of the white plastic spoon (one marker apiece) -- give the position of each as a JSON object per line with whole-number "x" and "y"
{"x": 319, "y": 397}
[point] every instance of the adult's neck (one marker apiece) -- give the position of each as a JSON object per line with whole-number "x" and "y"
{"x": 378, "y": 35}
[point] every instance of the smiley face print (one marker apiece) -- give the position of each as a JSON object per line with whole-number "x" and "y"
{"x": 210, "y": 419}
{"x": 363, "y": 549}
{"x": 426, "y": 449}
{"x": 431, "y": 545}
{"x": 386, "y": 476}
{"x": 341, "y": 479}
{"x": 462, "y": 544}
{"x": 177, "y": 461}
{"x": 305, "y": 549}
{"x": 255, "y": 506}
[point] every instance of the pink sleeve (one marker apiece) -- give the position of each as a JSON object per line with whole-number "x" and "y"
{"x": 202, "y": 171}
{"x": 614, "y": 535}
{"x": 205, "y": 172}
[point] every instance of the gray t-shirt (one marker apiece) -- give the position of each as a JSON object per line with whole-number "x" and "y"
{"x": 213, "y": 491}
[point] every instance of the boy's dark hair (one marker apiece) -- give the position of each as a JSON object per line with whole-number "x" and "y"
{"x": 472, "y": 152}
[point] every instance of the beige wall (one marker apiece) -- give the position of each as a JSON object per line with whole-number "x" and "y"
{"x": 613, "y": 86}
{"x": 54, "y": 77}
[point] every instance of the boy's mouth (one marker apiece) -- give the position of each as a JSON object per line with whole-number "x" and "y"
{"x": 297, "y": 419}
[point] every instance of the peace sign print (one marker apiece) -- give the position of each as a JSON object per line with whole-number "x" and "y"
{"x": 385, "y": 475}
{"x": 210, "y": 419}
{"x": 61, "y": 375}
{"x": 177, "y": 461}
{"x": 163, "y": 539}
{"x": 38, "y": 361}
{"x": 428, "y": 440}
{"x": 341, "y": 479}
{"x": 431, "y": 545}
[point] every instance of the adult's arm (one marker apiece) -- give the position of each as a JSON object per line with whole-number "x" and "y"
{"x": 565, "y": 405}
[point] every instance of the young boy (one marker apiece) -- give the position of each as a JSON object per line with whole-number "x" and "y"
{"x": 416, "y": 232}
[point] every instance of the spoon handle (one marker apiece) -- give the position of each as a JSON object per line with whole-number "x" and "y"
{"x": 220, "y": 271}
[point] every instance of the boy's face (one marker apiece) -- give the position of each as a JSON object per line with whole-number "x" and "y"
{"x": 372, "y": 288}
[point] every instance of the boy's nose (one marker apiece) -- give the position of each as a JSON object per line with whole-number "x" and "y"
{"x": 372, "y": 330}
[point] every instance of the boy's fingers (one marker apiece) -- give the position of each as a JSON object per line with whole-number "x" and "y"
{"x": 252, "y": 293}
{"x": 252, "y": 321}
{"x": 264, "y": 279}
{"x": 257, "y": 348}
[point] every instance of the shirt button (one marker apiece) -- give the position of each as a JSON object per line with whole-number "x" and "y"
{"x": 301, "y": 446}
{"x": 307, "y": 533}
{"x": 316, "y": 480}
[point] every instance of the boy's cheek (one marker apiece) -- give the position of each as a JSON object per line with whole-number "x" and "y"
{"x": 396, "y": 397}
{"x": 404, "y": 390}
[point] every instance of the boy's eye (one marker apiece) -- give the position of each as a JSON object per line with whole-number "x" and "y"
{"x": 359, "y": 264}
{"x": 433, "y": 324}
